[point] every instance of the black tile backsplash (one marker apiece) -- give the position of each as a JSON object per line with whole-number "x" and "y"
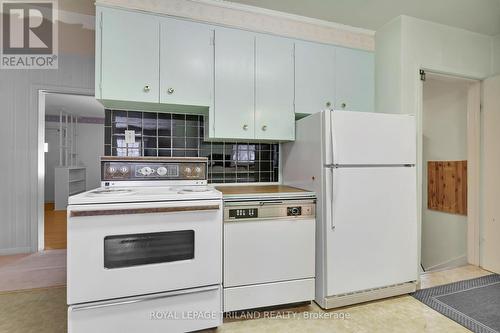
{"x": 179, "y": 135}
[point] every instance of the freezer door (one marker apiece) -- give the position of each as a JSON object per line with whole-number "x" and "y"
{"x": 362, "y": 138}
{"x": 371, "y": 229}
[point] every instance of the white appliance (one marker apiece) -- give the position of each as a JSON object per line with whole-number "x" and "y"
{"x": 362, "y": 168}
{"x": 146, "y": 257}
{"x": 268, "y": 251}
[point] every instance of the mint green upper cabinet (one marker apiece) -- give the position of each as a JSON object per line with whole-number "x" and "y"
{"x": 233, "y": 114}
{"x": 129, "y": 56}
{"x": 186, "y": 63}
{"x": 354, "y": 80}
{"x": 274, "y": 88}
{"x": 314, "y": 77}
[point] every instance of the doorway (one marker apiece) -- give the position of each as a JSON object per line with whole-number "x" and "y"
{"x": 450, "y": 158}
{"x": 73, "y": 144}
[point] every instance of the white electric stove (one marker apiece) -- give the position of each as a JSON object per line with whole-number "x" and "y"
{"x": 145, "y": 249}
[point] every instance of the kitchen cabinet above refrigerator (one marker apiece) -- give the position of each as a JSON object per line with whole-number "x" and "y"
{"x": 314, "y": 77}
{"x": 354, "y": 80}
{"x": 333, "y": 77}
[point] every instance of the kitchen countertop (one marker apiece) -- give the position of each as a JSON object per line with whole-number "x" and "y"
{"x": 263, "y": 192}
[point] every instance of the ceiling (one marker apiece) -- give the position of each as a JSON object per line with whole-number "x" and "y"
{"x": 482, "y": 16}
{"x": 83, "y": 106}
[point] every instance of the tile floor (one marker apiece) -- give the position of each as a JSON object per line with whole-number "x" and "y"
{"x": 44, "y": 310}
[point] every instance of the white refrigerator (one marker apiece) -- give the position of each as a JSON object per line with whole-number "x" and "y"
{"x": 362, "y": 168}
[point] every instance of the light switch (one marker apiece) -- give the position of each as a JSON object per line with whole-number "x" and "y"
{"x": 129, "y": 137}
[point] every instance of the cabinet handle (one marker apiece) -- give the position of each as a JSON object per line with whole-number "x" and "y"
{"x": 328, "y": 104}
{"x": 245, "y": 127}
{"x": 170, "y": 91}
{"x": 343, "y": 105}
{"x": 147, "y": 88}
{"x": 264, "y": 128}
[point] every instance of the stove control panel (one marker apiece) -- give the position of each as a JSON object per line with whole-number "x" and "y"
{"x": 154, "y": 170}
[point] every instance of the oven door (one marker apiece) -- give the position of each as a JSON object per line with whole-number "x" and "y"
{"x": 121, "y": 250}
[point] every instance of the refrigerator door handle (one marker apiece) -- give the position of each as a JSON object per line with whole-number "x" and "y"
{"x": 332, "y": 201}
{"x": 331, "y": 204}
{"x": 331, "y": 138}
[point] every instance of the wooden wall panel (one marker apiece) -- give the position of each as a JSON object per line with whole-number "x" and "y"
{"x": 447, "y": 186}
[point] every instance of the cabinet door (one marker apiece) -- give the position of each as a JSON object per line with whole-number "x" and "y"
{"x": 186, "y": 63}
{"x": 354, "y": 80}
{"x": 314, "y": 77}
{"x": 274, "y": 88}
{"x": 233, "y": 115}
{"x": 129, "y": 51}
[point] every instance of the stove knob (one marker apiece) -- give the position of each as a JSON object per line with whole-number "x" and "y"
{"x": 162, "y": 171}
{"x": 187, "y": 171}
{"x": 124, "y": 169}
{"x": 197, "y": 171}
{"x": 146, "y": 171}
{"x": 111, "y": 170}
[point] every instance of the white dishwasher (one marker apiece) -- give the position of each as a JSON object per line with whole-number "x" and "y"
{"x": 269, "y": 252}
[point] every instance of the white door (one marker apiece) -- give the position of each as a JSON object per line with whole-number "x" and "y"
{"x": 129, "y": 51}
{"x": 117, "y": 250}
{"x": 274, "y": 91}
{"x": 354, "y": 80}
{"x": 234, "y": 84}
{"x": 267, "y": 251}
{"x": 362, "y": 138}
{"x": 157, "y": 313}
{"x": 490, "y": 251}
{"x": 371, "y": 231}
{"x": 314, "y": 77}
{"x": 186, "y": 63}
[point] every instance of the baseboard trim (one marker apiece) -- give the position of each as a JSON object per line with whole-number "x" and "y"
{"x": 337, "y": 301}
{"x": 453, "y": 263}
{"x": 15, "y": 250}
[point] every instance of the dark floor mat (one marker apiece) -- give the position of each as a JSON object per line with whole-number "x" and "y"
{"x": 474, "y": 304}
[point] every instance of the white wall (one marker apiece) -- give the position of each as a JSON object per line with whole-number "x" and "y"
{"x": 18, "y": 134}
{"x": 430, "y": 46}
{"x": 388, "y": 67}
{"x": 90, "y": 147}
{"x": 422, "y": 44}
{"x": 444, "y": 236}
{"x": 19, "y": 207}
{"x": 495, "y": 57}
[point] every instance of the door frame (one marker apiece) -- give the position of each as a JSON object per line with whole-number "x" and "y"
{"x": 38, "y": 101}
{"x": 473, "y": 159}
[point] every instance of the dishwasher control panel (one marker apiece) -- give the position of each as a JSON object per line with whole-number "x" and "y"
{"x": 294, "y": 211}
{"x": 265, "y": 210}
{"x": 244, "y": 213}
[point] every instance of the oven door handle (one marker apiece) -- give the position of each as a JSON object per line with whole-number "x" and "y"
{"x": 150, "y": 210}
{"x": 140, "y": 299}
